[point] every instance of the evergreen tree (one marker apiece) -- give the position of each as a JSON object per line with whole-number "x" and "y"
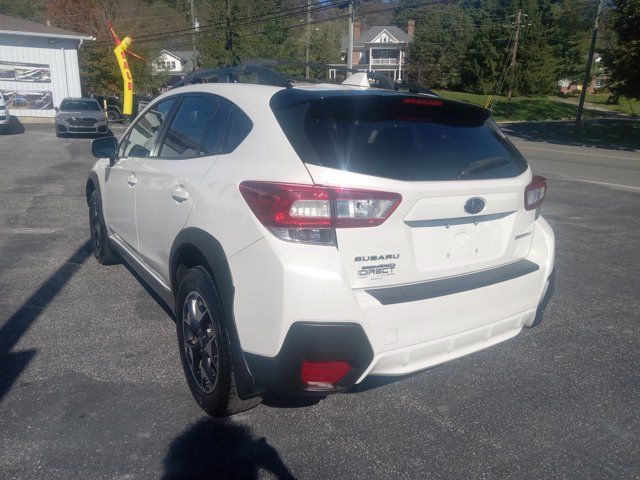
{"x": 623, "y": 59}
{"x": 441, "y": 41}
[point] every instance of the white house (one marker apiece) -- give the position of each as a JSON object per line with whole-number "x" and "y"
{"x": 175, "y": 62}
{"x": 38, "y": 66}
{"x": 380, "y": 49}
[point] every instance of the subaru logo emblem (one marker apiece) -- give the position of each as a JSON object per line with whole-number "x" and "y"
{"x": 474, "y": 205}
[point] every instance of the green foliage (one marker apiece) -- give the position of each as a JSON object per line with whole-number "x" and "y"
{"x": 22, "y": 8}
{"x": 623, "y": 59}
{"x": 465, "y": 44}
{"x": 442, "y": 38}
{"x": 469, "y": 46}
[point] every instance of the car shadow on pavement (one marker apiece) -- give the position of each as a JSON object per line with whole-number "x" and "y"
{"x": 220, "y": 449}
{"x": 13, "y": 363}
{"x": 288, "y": 401}
{"x": 15, "y": 127}
{"x": 614, "y": 134}
{"x": 152, "y": 293}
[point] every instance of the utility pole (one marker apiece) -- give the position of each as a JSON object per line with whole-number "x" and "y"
{"x": 350, "y": 48}
{"x": 587, "y": 72}
{"x": 194, "y": 27}
{"x": 306, "y": 69}
{"x": 513, "y": 58}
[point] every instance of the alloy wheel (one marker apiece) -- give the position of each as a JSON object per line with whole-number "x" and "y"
{"x": 200, "y": 342}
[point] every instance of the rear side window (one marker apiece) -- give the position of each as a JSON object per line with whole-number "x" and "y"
{"x": 238, "y": 127}
{"x": 213, "y": 138}
{"x": 187, "y": 129}
{"x": 399, "y": 137}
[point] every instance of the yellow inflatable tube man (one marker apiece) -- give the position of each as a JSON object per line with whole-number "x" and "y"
{"x": 121, "y": 55}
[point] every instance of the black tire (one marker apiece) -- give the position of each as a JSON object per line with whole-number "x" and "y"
{"x": 99, "y": 238}
{"x": 113, "y": 115}
{"x": 205, "y": 346}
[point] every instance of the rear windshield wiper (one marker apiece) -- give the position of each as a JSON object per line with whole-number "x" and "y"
{"x": 484, "y": 164}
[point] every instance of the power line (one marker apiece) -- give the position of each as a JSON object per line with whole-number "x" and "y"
{"x": 266, "y": 17}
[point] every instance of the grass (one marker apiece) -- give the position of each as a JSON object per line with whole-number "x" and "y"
{"x": 544, "y": 108}
{"x": 624, "y": 105}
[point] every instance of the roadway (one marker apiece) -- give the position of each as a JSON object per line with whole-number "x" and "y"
{"x": 91, "y": 386}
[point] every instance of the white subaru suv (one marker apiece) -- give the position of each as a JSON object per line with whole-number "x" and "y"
{"x": 310, "y": 236}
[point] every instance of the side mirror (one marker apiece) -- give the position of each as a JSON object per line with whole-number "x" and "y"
{"x": 105, "y": 147}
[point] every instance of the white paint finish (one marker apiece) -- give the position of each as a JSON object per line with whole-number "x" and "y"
{"x": 278, "y": 283}
{"x": 119, "y": 199}
{"x": 429, "y": 249}
{"x": 166, "y": 190}
{"x": 59, "y": 54}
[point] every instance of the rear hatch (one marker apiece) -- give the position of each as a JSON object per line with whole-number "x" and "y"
{"x": 461, "y": 181}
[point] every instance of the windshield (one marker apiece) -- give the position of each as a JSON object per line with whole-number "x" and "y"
{"x": 399, "y": 137}
{"x": 79, "y": 106}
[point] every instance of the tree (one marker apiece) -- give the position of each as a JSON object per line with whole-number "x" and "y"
{"x": 441, "y": 41}
{"x": 22, "y": 9}
{"x": 623, "y": 59}
{"x": 538, "y": 68}
{"x": 483, "y": 68}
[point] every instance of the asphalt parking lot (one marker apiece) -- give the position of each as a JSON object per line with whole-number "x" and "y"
{"x": 91, "y": 385}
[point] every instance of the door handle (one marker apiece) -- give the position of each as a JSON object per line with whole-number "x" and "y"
{"x": 132, "y": 180}
{"x": 179, "y": 194}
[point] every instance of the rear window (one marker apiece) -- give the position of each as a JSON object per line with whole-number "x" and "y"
{"x": 398, "y": 137}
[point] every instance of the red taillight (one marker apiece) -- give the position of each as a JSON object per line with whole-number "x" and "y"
{"x": 309, "y": 213}
{"x": 325, "y": 375}
{"x": 535, "y": 192}
{"x": 425, "y": 102}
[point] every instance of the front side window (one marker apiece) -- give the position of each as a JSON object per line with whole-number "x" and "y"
{"x": 187, "y": 129}
{"x": 144, "y": 133}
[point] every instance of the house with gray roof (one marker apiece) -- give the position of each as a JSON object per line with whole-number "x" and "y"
{"x": 381, "y": 48}
{"x": 175, "y": 62}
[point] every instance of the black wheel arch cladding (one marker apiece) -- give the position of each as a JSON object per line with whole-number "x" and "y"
{"x": 212, "y": 252}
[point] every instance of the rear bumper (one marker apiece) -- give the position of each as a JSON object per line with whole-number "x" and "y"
{"x": 403, "y": 336}
{"x": 317, "y": 342}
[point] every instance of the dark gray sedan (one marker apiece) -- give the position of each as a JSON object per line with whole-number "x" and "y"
{"x": 80, "y": 115}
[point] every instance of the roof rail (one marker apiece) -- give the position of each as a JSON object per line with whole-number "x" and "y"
{"x": 262, "y": 71}
{"x": 257, "y": 74}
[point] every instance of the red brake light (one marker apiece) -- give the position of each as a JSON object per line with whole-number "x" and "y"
{"x": 535, "y": 193}
{"x": 287, "y": 205}
{"x": 310, "y": 213}
{"x": 323, "y": 375}
{"x": 426, "y": 102}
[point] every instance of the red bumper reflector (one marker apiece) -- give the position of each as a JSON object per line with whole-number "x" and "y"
{"x": 323, "y": 374}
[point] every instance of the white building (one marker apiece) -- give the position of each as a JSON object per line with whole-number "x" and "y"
{"x": 175, "y": 62}
{"x": 38, "y": 66}
{"x": 381, "y": 49}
